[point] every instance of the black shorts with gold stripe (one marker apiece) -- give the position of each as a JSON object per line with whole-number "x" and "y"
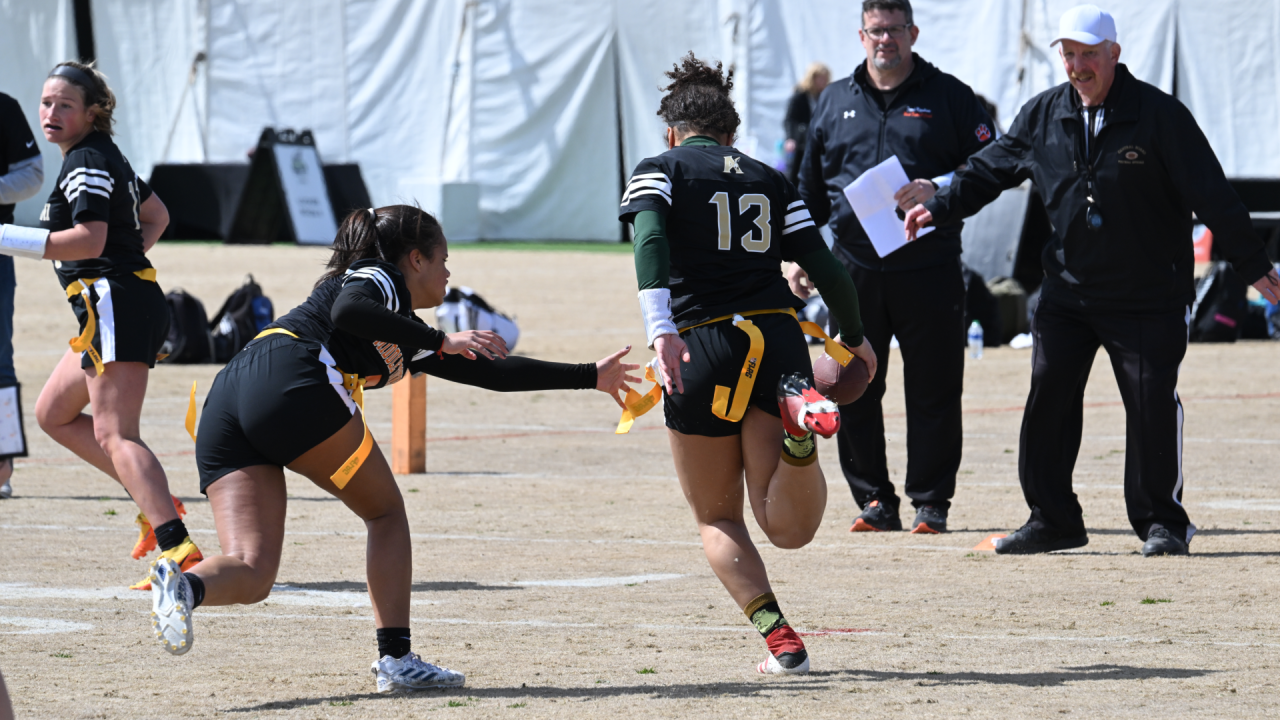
{"x": 275, "y": 400}
{"x": 131, "y": 318}
{"x": 717, "y": 353}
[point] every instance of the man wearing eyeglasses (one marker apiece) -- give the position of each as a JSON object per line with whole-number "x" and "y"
{"x": 1121, "y": 167}
{"x": 897, "y": 104}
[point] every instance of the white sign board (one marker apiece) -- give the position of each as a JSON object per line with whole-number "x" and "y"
{"x": 305, "y": 194}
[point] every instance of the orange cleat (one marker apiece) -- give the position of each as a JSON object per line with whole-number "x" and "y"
{"x": 146, "y": 535}
{"x": 185, "y": 556}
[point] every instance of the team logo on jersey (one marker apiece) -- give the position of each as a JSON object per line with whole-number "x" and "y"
{"x": 394, "y": 359}
{"x": 983, "y": 132}
{"x": 848, "y": 114}
{"x": 1131, "y": 155}
{"x": 919, "y": 112}
{"x": 731, "y": 165}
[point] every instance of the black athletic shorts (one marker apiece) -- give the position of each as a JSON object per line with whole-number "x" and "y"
{"x": 717, "y": 352}
{"x": 132, "y": 319}
{"x": 275, "y": 400}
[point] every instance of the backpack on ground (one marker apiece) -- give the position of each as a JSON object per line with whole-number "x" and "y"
{"x": 464, "y": 309}
{"x": 189, "y": 339}
{"x": 1220, "y": 307}
{"x": 245, "y": 313}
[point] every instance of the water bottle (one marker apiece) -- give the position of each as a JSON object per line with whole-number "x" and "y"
{"x": 975, "y": 340}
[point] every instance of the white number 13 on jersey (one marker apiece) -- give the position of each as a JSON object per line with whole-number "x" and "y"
{"x": 750, "y": 242}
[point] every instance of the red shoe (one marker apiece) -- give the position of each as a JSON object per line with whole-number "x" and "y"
{"x": 804, "y": 409}
{"x": 146, "y": 535}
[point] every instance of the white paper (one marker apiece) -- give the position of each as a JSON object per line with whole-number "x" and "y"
{"x": 871, "y": 196}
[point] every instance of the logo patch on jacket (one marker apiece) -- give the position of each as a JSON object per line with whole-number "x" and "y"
{"x": 850, "y": 114}
{"x": 1131, "y": 155}
{"x": 731, "y": 165}
{"x": 983, "y": 132}
{"x": 917, "y": 112}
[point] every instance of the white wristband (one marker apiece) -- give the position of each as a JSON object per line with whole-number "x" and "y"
{"x": 655, "y": 305}
{"x": 20, "y": 241}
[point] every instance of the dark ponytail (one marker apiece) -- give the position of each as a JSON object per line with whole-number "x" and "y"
{"x": 384, "y": 234}
{"x": 698, "y": 100}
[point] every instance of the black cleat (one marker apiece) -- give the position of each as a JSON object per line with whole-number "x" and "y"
{"x": 1028, "y": 540}
{"x": 930, "y": 520}
{"x": 876, "y": 518}
{"x": 1161, "y": 542}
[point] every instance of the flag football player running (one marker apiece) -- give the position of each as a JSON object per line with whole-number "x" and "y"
{"x": 712, "y": 227}
{"x": 97, "y": 226}
{"x": 292, "y": 398}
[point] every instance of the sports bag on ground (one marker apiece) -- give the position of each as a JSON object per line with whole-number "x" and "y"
{"x": 464, "y": 309}
{"x": 189, "y": 340}
{"x": 1221, "y": 305}
{"x": 245, "y": 313}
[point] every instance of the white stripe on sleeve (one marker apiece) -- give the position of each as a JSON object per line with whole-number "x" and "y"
{"x": 798, "y": 226}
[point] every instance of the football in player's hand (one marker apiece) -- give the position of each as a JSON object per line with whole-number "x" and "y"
{"x": 842, "y": 385}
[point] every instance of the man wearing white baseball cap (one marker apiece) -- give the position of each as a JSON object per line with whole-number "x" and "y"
{"x": 1121, "y": 166}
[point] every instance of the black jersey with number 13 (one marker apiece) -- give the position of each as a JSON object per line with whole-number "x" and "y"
{"x": 731, "y": 220}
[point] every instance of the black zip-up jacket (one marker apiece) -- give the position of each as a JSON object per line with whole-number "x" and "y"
{"x": 1153, "y": 167}
{"x": 933, "y": 125}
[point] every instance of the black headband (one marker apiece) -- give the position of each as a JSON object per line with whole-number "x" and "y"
{"x": 81, "y": 78}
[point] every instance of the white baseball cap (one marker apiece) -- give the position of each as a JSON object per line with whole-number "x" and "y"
{"x": 1088, "y": 24}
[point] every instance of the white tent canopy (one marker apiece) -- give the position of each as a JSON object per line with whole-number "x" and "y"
{"x": 545, "y": 104}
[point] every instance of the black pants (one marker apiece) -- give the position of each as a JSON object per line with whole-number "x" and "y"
{"x": 1145, "y": 351}
{"x": 925, "y": 309}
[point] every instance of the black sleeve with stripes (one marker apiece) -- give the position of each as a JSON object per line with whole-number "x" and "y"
{"x": 799, "y": 233}
{"x": 648, "y": 188}
{"x": 87, "y": 185}
{"x": 360, "y": 310}
{"x": 512, "y": 374}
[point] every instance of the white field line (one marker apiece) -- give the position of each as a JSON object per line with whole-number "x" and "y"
{"x": 598, "y": 581}
{"x": 40, "y": 626}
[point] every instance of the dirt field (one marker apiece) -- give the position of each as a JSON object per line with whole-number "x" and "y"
{"x": 557, "y": 565}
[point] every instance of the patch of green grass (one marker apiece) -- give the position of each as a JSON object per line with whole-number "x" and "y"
{"x": 517, "y": 705}
{"x": 934, "y": 672}
{"x": 1153, "y": 601}
{"x": 456, "y": 703}
{"x": 585, "y": 246}
{"x": 340, "y": 703}
{"x": 110, "y": 512}
{"x": 103, "y": 499}
{"x": 413, "y": 489}
{"x": 61, "y": 654}
{"x": 1008, "y": 451}
{"x": 1106, "y": 603}
{"x": 647, "y": 671}
{"x": 632, "y": 584}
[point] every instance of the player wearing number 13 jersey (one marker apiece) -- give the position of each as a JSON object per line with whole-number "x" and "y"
{"x": 712, "y": 227}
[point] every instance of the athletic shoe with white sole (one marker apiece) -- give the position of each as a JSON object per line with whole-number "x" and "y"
{"x": 787, "y": 664}
{"x": 171, "y": 600}
{"x": 413, "y": 673}
{"x": 804, "y": 409}
{"x": 6, "y": 490}
{"x": 186, "y": 556}
{"x": 877, "y": 518}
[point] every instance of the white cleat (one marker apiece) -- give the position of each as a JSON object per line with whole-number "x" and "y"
{"x": 413, "y": 673}
{"x": 771, "y": 666}
{"x": 171, "y": 606}
{"x": 6, "y": 490}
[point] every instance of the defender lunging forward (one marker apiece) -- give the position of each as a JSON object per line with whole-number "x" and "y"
{"x": 712, "y": 227}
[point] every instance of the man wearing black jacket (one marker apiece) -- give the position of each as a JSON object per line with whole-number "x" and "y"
{"x": 897, "y": 104}
{"x": 1120, "y": 166}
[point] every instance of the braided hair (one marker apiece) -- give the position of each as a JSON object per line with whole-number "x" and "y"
{"x": 697, "y": 100}
{"x": 386, "y": 234}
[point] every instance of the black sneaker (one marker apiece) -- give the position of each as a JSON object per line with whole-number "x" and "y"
{"x": 1161, "y": 542}
{"x": 929, "y": 520}
{"x": 876, "y": 518}
{"x": 1028, "y": 540}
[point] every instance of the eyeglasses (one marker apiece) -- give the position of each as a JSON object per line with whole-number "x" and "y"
{"x": 897, "y": 32}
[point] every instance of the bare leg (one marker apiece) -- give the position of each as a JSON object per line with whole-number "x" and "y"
{"x": 248, "y": 510}
{"x": 116, "y": 396}
{"x": 60, "y": 412}
{"x": 373, "y": 495}
{"x": 788, "y": 501}
{"x": 710, "y": 471}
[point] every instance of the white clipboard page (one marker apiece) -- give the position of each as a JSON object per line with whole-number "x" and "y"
{"x": 871, "y": 196}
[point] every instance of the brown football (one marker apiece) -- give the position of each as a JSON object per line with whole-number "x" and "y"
{"x": 842, "y": 385}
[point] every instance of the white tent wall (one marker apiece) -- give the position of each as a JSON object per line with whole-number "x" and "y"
{"x": 1229, "y": 77}
{"x": 157, "y": 110}
{"x": 35, "y": 35}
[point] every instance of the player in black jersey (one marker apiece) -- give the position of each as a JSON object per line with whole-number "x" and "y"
{"x": 97, "y": 226}
{"x": 291, "y": 399}
{"x": 712, "y": 227}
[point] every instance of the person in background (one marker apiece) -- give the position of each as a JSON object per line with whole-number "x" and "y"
{"x": 21, "y": 175}
{"x": 895, "y": 103}
{"x": 800, "y": 112}
{"x": 1121, "y": 167}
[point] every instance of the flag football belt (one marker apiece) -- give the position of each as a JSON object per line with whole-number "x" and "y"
{"x": 84, "y": 343}
{"x": 637, "y": 404}
{"x": 352, "y": 383}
